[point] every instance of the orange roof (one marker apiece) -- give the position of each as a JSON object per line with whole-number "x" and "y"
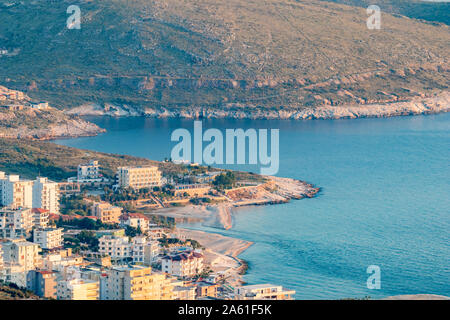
{"x": 39, "y": 210}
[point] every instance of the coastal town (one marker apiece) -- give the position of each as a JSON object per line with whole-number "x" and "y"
{"x": 94, "y": 237}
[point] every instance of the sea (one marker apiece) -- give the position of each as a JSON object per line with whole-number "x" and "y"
{"x": 384, "y": 201}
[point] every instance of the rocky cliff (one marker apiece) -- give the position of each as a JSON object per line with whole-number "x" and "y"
{"x": 435, "y": 103}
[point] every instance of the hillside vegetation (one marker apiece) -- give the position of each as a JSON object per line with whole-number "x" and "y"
{"x": 272, "y": 54}
{"x": 32, "y": 158}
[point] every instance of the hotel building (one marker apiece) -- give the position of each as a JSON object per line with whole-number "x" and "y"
{"x": 138, "y": 177}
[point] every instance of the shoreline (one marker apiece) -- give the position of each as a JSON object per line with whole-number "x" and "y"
{"x": 422, "y": 105}
{"x": 221, "y": 253}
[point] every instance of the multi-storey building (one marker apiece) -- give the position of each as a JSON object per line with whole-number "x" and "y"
{"x": 48, "y": 238}
{"x": 138, "y": 177}
{"x": 19, "y": 257}
{"x": 62, "y": 259}
{"x": 15, "y": 222}
{"x": 15, "y": 192}
{"x": 40, "y": 217}
{"x": 139, "y": 249}
{"x": 138, "y": 283}
{"x": 144, "y": 251}
{"x": 135, "y": 220}
{"x": 186, "y": 264}
{"x": 42, "y": 282}
{"x": 78, "y": 289}
{"x": 23, "y": 253}
{"x": 117, "y": 247}
{"x": 46, "y": 195}
{"x": 263, "y": 292}
{"x": 88, "y": 171}
{"x": 106, "y": 212}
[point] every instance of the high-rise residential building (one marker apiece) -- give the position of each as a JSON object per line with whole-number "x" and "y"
{"x": 77, "y": 289}
{"x": 42, "y": 282}
{"x": 15, "y": 192}
{"x": 15, "y": 222}
{"x": 263, "y": 292}
{"x": 138, "y": 283}
{"x": 106, "y": 212}
{"x": 48, "y": 238}
{"x": 21, "y": 252}
{"x": 88, "y": 171}
{"x": 138, "y": 177}
{"x": 185, "y": 264}
{"x": 46, "y": 195}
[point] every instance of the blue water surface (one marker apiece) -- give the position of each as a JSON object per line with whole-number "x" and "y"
{"x": 384, "y": 201}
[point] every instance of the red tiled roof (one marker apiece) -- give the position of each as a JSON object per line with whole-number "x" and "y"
{"x": 39, "y": 210}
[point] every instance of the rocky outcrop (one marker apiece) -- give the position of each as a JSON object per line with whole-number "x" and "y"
{"x": 69, "y": 129}
{"x": 438, "y": 102}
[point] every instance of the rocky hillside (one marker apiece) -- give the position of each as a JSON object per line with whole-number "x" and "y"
{"x": 174, "y": 55}
{"x": 20, "y": 117}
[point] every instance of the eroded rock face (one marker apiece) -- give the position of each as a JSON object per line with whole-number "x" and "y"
{"x": 436, "y": 103}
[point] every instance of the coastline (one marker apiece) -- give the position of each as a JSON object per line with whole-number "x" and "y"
{"x": 436, "y": 103}
{"x": 221, "y": 253}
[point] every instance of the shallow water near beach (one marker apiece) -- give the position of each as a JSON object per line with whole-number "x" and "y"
{"x": 385, "y": 201}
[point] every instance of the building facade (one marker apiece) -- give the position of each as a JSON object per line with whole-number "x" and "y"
{"x": 186, "y": 264}
{"x": 46, "y": 195}
{"x": 138, "y": 177}
{"x": 48, "y": 238}
{"x": 138, "y": 283}
{"x": 106, "y": 212}
{"x": 42, "y": 282}
{"x": 88, "y": 171}
{"x": 15, "y": 192}
{"x": 263, "y": 292}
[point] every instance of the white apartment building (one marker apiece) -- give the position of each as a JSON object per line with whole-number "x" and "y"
{"x": 116, "y": 247}
{"x": 40, "y": 217}
{"x": 136, "y": 220}
{"x": 48, "y": 238}
{"x": 186, "y": 264}
{"x": 15, "y": 222}
{"x": 138, "y": 177}
{"x": 139, "y": 249}
{"x": 46, "y": 195}
{"x": 24, "y": 253}
{"x": 88, "y": 171}
{"x": 15, "y": 192}
{"x": 19, "y": 257}
{"x": 144, "y": 251}
{"x": 263, "y": 292}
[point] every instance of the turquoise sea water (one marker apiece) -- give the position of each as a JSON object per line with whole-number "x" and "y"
{"x": 385, "y": 201}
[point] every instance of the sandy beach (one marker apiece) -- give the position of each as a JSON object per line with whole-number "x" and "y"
{"x": 221, "y": 252}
